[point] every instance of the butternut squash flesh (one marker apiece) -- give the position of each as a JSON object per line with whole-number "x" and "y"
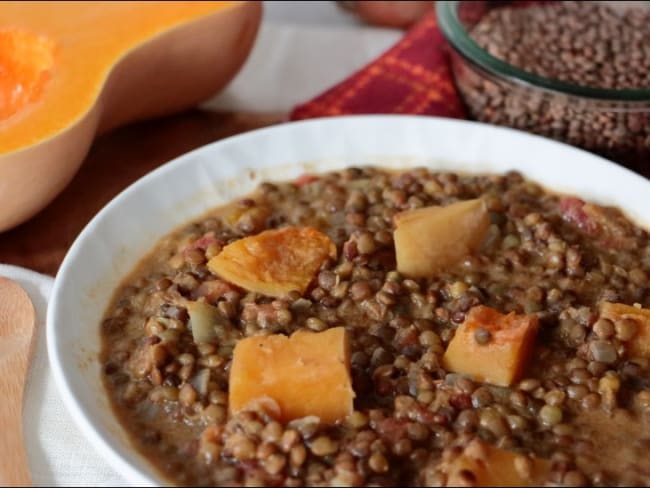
{"x": 305, "y": 374}
{"x": 429, "y": 239}
{"x": 26, "y": 61}
{"x": 488, "y": 465}
{"x": 491, "y": 346}
{"x": 274, "y": 262}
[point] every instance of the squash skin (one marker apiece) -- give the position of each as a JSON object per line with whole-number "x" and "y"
{"x": 198, "y": 58}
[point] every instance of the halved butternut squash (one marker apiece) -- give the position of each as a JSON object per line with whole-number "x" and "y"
{"x": 305, "y": 374}
{"x": 72, "y": 69}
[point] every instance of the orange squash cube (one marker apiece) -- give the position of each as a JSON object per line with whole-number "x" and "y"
{"x": 488, "y": 465}
{"x": 429, "y": 239}
{"x": 274, "y": 262}
{"x": 305, "y": 374}
{"x": 492, "y": 347}
{"x": 639, "y": 345}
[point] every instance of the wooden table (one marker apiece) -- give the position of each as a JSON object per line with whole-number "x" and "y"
{"x": 115, "y": 161}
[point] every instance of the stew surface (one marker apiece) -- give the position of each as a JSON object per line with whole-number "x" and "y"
{"x": 578, "y": 412}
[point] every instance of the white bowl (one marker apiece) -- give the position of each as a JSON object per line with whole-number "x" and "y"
{"x": 132, "y": 223}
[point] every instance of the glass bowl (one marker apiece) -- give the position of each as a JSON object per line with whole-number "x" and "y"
{"x": 613, "y": 123}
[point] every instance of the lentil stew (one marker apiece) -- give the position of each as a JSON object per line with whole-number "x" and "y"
{"x": 578, "y": 414}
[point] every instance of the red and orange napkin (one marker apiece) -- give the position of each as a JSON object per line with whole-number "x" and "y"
{"x": 413, "y": 77}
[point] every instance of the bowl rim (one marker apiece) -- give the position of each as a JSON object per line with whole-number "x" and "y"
{"x": 58, "y": 357}
{"x": 458, "y": 37}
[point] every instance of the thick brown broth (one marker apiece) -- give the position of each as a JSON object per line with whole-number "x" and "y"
{"x": 540, "y": 257}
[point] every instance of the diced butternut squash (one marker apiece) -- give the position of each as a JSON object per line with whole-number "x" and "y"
{"x": 639, "y": 344}
{"x": 487, "y": 465}
{"x": 491, "y": 346}
{"x": 429, "y": 239}
{"x": 274, "y": 262}
{"x": 305, "y": 374}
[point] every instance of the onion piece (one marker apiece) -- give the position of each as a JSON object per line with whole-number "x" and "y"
{"x": 204, "y": 321}
{"x": 200, "y": 381}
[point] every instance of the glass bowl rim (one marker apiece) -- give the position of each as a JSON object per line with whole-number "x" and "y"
{"x": 458, "y": 37}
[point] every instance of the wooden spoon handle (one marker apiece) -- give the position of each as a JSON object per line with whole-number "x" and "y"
{"x": 14, "y": 469}
{"x": 17, "y": 319}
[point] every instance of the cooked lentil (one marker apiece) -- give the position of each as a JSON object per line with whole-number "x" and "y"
{"x": 482, "y": 336}
{"x": 583, "y": 403}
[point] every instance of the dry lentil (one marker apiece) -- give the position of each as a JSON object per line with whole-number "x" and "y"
{"x": 588, "y": 44}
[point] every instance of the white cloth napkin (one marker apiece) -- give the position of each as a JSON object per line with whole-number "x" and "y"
{"x": 58, "y": 454}
{"x": 301, "y": 50}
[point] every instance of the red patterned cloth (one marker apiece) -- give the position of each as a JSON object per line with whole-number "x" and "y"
{"x": 413, "y": 77}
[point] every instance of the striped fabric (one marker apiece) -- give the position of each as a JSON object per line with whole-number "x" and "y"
{"x": 413, "y": 77}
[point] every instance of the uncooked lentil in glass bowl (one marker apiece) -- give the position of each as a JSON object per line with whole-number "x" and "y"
{"x": 578, "y": 72}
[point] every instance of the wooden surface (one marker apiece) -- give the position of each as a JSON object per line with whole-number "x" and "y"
{"x": 17, "y": 320}
{"x": 115, "y": 160}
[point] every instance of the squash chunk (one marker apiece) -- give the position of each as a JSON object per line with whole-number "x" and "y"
{"x": 488, "y": 465}
{"x": 639, "y": 344}
{"x": 274, "y": 262}
{"x": 491, "y": 346}
{"x": 429, "y": 239}
{"x": 305, "y": 374}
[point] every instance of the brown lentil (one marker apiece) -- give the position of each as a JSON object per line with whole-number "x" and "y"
{"x": 378, "y": 463}
{"x": 603, "y": 328}
{"x": 482, "y": 336}
{"x": 550, "y": 415}
{"x": 187, "y": 395}
{"x": 172, "y": 394}
{"x": 589, "y": 44}
{"x": 493, "y": 421}
{"x": 323, "y": 446}
{"x": 316, "y": 324}
{"x": 626, "y": 329}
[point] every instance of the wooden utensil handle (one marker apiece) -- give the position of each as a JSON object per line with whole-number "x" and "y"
{"x": 17, "y": 322}
{"x": 14, "y": 469}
